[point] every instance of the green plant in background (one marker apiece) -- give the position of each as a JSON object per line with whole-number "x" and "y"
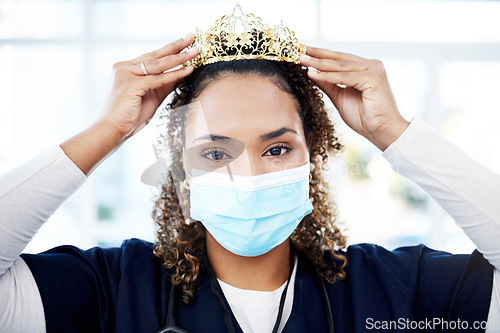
{"x": 410, "y": 193}
{"x": 105, "y": 213}
{"x": 357, "y": 163}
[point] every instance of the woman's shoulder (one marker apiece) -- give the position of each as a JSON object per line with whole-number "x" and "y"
{"x": 410, "y": 259}
{"x": 419, "y": 270}
{"x": 102, "y": 281}
{"x": 131, "y": 256}
{"x": 129, "y": 247}
{"x": 365, "y": 251}
{"x": 415, "y": 280}
{"x": 136, "y": 246}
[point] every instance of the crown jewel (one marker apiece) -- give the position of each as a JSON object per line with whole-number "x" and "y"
{"x": 244, "y": 36}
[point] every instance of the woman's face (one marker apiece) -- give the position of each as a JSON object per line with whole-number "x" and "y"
{"x": 246, "y": 126}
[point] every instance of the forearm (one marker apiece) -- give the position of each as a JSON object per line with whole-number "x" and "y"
{"x": 29, "y": 195}
{"x": 88, "y": 148}
{"x": 384, "y": 137}
{"x": 468, "y": 191}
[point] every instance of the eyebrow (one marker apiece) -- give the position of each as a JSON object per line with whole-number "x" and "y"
{"x": 212, "y": 137}
{"x": 264, "y": 137}
{"x": 277, "y": 133}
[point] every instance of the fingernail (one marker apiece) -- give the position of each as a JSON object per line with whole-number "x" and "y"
{"x": 193, "y": 50}
{"x": 189, "y": 34}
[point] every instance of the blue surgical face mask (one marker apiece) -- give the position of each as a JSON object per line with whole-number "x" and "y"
{"x": 250, "y": 216}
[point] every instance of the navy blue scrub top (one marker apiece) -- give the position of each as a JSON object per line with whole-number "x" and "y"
{"x": 125, "y": 289}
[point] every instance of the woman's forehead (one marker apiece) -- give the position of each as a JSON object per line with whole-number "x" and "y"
{"x": 236, "y": 106}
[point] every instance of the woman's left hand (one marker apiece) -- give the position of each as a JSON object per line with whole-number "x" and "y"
{"x": 367, "y": 103}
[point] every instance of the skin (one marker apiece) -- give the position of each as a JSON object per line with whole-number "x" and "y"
{"x": 247, "y": 109}
{"x": 131, "y": 103}
{"x": 367, "y": 105}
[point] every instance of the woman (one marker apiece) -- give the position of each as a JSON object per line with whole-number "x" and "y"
{"x": 261, "y": 124}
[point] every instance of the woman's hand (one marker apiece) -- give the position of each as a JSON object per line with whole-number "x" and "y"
{"x": 366, "y": 104}
{"x": 132, "y": 102}
{"x": 135, "y": 96}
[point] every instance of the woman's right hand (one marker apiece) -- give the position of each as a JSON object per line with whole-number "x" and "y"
{"x": 131, "y": 103}
{"x": 135, "y": 96}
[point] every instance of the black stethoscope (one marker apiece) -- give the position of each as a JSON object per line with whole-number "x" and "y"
{"x": 170, "y": 326}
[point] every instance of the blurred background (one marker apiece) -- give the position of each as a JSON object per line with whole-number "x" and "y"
{"x": 442, "y": 58}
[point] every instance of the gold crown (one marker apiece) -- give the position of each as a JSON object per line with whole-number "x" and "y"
{"x": 253, "y": 40}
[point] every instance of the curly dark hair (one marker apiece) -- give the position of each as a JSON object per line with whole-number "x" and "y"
{"x": 181, "y": 240}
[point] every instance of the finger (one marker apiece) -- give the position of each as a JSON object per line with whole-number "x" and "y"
{"x": 171, "y": 48}
{"x": 350, "y": 79}
{"x": 158, "y": 66}
{"x": 332, "y": 90}
{"x": 168, "y": 78}
{"x": 333, "y": 55}
{"x": 328, "y": 65}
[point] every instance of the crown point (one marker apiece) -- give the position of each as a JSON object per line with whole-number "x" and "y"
{"x": 244, "y": 36}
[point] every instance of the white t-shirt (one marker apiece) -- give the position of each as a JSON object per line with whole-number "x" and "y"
{"x": 257, "y": 311}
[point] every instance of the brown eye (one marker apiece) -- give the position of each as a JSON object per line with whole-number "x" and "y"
{"x": 277, "y": 151}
